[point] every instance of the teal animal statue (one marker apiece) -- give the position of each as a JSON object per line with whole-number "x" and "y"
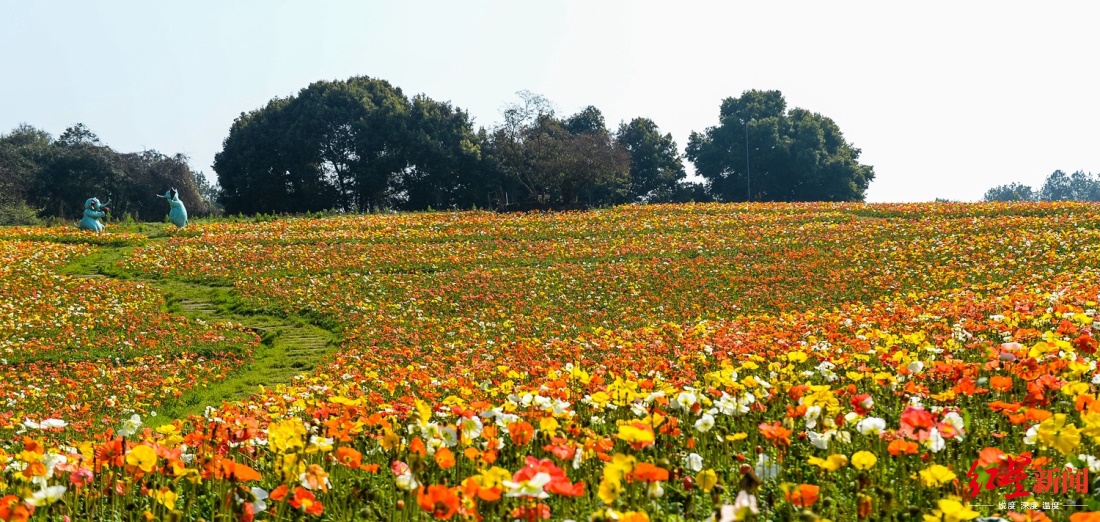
{"x": 178, "y": 214}
{"x": 93, "y": 212}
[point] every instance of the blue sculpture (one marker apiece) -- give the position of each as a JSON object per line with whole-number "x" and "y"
{"x": 178, "y": 214}
{"x": 93, "y": 211}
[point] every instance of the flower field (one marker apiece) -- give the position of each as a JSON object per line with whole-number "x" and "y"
{"x": 80, "y": 350}
{"x": 731, "y": 362}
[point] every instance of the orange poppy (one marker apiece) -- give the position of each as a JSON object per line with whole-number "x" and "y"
{"x": 445, "y": 458}
{"x": 349, "y": 457}
{"x": 13, "y": 509}
{"x": 804, "y": 495}
{"x": 1000, "y": 383}
{"x": 440, "y": 501}
{"x": 522, "y": 432}
{"x": 305, "y": 500}
{"x": 647, "y": 472}
{"x": 776, "y": 433}
{"x": 900, "y": 447}
{"x": 417, "y": 447}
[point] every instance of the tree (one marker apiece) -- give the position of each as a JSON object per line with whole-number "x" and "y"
{"x": 759, "y": 151}
{"x": 22, "y": 154}
{"x": 79, "y": 167}
{"x": 210, "y": 193}
{"x": 252, "y": 171}
{"x": 444, "y": 161}
{"x": 691, "y": 192}
{"x": 559, "y": 162}
{"x": 655, "y": 166}
{"x": 57, "y": 176}
{"x": 349, "y": 145}
{"x": 1059, "y": 186}
{"x": 1078, "y": 186}
{"x": 1010, "y": 192}
{"x": 149, "y": 173}
{"x": 78, "y": 135}
{"x": 589, "y": 119}
{"x": 507, "y": 148}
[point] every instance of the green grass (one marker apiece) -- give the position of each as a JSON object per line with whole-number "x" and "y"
{"x": 289, "y": 346}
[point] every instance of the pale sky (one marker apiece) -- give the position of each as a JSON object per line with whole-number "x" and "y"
{"x": 946, "y": 99}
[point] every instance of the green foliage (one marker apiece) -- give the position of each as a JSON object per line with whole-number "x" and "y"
{"x": 44, "y": 176}
{"x": 590, "y": 119}
{"x": 1078, "y": 186}
{"x": 14, "y": 211}
{"x": 760, "y": 151}
{"x": 350, "y": 145}
{"x": 655, "y": 166}
{"x": 1011, "y": 192}
{"x": 1059, "y": 186}
{"x": 445, "y": 168}
{"x": 209, "y": 194}
{"x": 690, "y": 192}
{"x": 559, "y": 162}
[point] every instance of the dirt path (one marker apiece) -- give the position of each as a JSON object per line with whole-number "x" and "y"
{"x": 289, "y": 346}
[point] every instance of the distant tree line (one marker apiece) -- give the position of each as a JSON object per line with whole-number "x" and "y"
{"x": 361, "y": 144}
{"x": 42, "y": 176}
{"x": 1059, "y": 186}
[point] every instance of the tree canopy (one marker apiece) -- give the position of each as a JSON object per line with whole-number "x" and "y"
{"x": 555, "y": 161}
{"x": 43, "y": 176}
{"x": 361, "y": 144}
{"x": 1059, "y": 186}
{"x": 656, "y": 170}
{"x": 760, "y": 151}
{"x": 348, "y": 145}
{"x": 1010, "y": 192}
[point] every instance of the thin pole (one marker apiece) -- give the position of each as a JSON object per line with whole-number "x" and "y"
{"x": 748, "y": 173}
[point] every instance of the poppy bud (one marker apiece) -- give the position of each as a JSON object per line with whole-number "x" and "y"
{"x": 688, "y": 483}
{"x": 864, "y": 506}
{"x": 888, "y": 496}
{"x": 400, "y": 505}
{"x": 749, "y": 482}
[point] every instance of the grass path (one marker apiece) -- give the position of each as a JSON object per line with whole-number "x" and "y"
{"x": 289, "y": 346}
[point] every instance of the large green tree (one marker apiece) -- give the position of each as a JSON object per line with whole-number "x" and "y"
{"x": 444, "y": 167}
{"x": 760, "y": 151}
{"x": 253, "y": 169}
{"x": 655, "y": 166}
{"x": 349, "y": 145}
